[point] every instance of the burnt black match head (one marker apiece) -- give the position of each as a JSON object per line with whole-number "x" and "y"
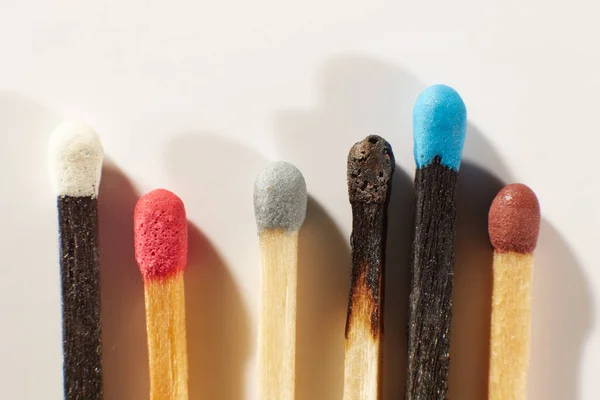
{"x": 370, "y": 167}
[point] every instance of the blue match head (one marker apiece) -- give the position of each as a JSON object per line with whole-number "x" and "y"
{"x": 439, "y": 126}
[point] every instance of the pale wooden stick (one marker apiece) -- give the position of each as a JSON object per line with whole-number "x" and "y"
{"x": 280, "y": 199}
{"x": 161, "y": 240}
{"x": 511, "y": 326}
{"x": 277, "y": 325}
{"x": 362, "y": 359}
{"x": 167, "y": 349}
{"x": 513, "y": 225}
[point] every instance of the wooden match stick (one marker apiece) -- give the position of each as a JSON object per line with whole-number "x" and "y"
{"x": 161, "y": 240}
{"x": 280, "y": 208}
{"x": 439, "y": 121}
{"x": 76, "y": 164}
{"x": 514, "y": 224}
{"x": 370, "y": 169}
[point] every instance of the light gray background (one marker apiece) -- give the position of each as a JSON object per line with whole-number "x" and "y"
{"x": 196, "y": 96}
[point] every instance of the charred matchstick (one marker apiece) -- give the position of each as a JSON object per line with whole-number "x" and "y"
{"x": 370, "y": 168}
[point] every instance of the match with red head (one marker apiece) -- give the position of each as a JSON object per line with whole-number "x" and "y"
{"x": 160, "y": 235}
{"x": 514, "y": 220}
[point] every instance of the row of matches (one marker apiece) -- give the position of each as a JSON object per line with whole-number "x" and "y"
{"x": 280, "y": 198}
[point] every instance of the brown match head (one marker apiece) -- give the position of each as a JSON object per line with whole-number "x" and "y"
{"x": 514, "y": 220}
{"x": 370, "y": 167}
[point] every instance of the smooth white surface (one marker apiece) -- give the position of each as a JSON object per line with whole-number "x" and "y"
{"x": 197, "y": 96}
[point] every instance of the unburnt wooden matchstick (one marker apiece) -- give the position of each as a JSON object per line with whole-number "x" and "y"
{"x": 370, "y": 168}
{"x": 439, "y": 123}
{"x": 161, "y": 240}
{"x": 280, "y": 208}
{"x": 76, "y": 164}
{"x": 514, "y": 224}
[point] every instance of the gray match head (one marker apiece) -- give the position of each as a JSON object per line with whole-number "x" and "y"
{"x": 280, "y": 197}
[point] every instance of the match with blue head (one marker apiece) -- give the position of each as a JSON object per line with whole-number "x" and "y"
{"x": 439, "y": 126}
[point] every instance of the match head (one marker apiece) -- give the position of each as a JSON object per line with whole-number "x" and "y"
{"x": 160, "y": 234}
{"x": 439, "y": 125}
{"x": 76, "y": 157}
{"x": 514, "y": 220}
{"x": 370, "y": 167}
{"x": 280, "y": 197}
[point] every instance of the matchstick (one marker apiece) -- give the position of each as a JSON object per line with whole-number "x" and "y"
{"x": 280, "y": 208}
{"x": 76, "y": 164}
{"x": 161, "y": 240}
{"x": 370, "y": 169}
{"x": 514, "y": 224}
{"x": 439, "y": 123}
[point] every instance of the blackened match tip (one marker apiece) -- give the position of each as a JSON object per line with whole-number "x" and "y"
{"x": 370, "y": 168}
{"x": 514, "y": 220}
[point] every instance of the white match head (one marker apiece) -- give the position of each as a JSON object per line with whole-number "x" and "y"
{"x": 280, "y": 197}
{"x": 75, "y": 160}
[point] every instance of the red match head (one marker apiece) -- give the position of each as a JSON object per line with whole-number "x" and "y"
{"x": 160, "y": 234}
{"x": 514, "y": 220}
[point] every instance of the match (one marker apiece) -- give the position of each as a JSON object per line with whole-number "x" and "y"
{"x": 439, "y": 124}
{"x": 161, "y": 248}
{"x": 76, "y": 156}
{"x": 370, "y": 168}
{"x": 280, "y": 208}
{"x": 514, "y": 224}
